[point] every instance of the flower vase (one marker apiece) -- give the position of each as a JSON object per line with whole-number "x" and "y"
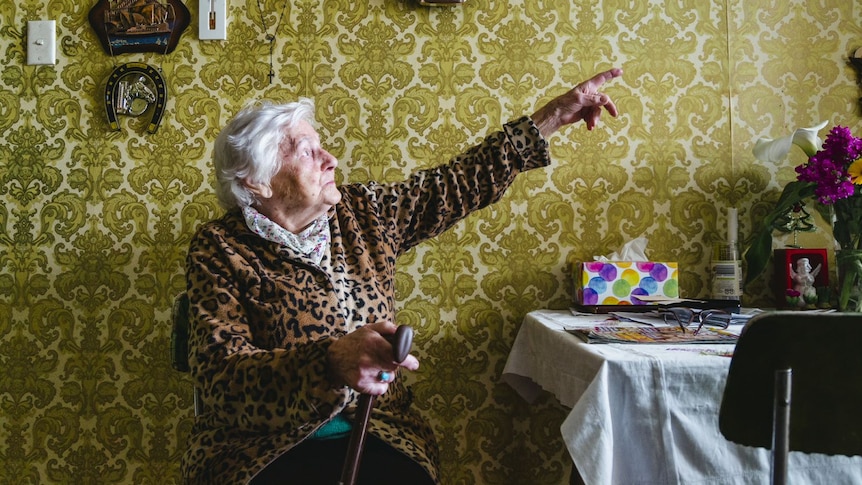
{"x": 849, "y": 263}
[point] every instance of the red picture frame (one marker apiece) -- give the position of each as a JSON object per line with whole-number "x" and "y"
{"x": 783, "y": 279}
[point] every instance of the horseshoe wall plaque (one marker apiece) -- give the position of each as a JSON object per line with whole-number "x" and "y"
{"x": 133, "y": 89}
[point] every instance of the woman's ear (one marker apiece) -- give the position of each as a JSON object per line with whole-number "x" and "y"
{"x": 260, "y": 190}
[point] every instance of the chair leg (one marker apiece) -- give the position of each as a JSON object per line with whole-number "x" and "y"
{"x": 781, "y": 425}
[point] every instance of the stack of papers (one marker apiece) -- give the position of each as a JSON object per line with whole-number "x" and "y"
{"x": 665, "y": 334}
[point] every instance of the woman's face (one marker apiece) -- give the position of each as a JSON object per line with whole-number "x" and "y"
{"x": 304, "y": 187}
{"x": 305, "y": 183}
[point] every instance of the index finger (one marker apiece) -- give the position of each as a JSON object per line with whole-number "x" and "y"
{"x": 603, "y": 77}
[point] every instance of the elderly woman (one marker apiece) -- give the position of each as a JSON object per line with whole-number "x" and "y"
{"x": 292, "y": 292}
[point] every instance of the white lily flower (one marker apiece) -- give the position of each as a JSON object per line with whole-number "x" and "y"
{"x": 769, "y": 150}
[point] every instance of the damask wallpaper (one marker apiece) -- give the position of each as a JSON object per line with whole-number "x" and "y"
{"x": 94, "y": 223}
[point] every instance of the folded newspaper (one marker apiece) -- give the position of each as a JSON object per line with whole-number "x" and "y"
{"x": 605, "y": 334}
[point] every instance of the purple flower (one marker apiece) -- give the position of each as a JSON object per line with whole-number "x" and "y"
{"x": 827, "y": 168}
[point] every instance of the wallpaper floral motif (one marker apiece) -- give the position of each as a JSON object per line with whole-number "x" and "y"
{"x": 94, "y": 223}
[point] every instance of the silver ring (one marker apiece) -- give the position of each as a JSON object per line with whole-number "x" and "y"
{"x": 383, "y": 376}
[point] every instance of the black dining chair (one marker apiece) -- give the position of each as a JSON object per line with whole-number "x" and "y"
{"x": 180, "y": 342}
{"x": 795, "y": 384}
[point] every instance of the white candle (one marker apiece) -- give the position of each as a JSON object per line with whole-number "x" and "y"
{"x": 731, "y": 225}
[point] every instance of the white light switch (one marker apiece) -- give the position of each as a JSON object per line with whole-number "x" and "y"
{"x": 41, "y": 42}
{"x": 212, "y": 19}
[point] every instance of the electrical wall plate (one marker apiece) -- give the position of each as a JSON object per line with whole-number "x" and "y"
{"x": 440, "y": 3}
{"x": 212, "y": 21}
{"x": 41, "y": 42}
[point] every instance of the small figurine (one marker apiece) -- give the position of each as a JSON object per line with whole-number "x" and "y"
{"x": 803, "y": 281}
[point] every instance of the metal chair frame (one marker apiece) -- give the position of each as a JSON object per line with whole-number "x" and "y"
{"x": 180, "y": 343}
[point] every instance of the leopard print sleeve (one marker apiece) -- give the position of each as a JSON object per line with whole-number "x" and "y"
{"x": 247, "y": 387}
{"x": 433, "y": 200}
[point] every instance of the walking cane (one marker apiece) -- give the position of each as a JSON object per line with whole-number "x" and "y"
{"x": 401, "y": 342}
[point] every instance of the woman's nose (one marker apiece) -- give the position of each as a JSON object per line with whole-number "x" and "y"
{"x": 327, "y": 159}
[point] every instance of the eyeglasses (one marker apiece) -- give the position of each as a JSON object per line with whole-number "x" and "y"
{"x": 684, "y": 317}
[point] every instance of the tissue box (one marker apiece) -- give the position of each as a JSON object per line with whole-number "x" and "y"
{"x": 621, "y": 282}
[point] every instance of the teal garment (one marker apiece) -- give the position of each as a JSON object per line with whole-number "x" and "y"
{"x": 339, "y": 427}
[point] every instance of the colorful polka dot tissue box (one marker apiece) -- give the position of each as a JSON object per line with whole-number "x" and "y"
{"x": 599, "y": 283}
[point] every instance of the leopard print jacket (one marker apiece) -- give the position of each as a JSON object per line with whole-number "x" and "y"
{"x": 263, "y": 317}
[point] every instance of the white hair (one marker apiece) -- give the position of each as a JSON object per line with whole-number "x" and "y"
{"x": 246, "y": 150}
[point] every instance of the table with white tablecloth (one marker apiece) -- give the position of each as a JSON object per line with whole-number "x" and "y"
{"x": 647, "y": 413}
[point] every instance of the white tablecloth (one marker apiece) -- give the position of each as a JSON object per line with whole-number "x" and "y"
{"x": 647, "y": 413}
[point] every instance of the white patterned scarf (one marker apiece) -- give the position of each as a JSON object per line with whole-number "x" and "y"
{"x": 313, "y": 241}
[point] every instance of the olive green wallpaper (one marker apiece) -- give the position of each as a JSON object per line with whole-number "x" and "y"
{"x": 94, "y": 223}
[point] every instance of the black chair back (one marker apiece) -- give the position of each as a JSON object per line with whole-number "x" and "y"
{"x": 823, "y": 352}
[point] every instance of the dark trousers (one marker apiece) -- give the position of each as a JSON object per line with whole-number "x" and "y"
{"x": 320, "y": 462}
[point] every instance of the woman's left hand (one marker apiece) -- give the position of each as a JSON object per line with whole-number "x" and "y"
{"x": 359, "y": 358}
